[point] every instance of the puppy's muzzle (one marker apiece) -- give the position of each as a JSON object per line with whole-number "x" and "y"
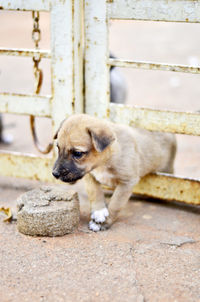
{"x": 67, "y": 172}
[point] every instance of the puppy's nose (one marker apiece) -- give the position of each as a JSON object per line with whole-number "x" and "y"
{"x": 56, "y": 174}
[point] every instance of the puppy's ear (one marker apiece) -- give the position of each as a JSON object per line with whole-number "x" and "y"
{"x": 56, "y": 134}
{"x": 101, "y": 138}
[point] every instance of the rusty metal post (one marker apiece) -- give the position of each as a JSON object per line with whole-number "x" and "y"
{"x": 96, "y": 54}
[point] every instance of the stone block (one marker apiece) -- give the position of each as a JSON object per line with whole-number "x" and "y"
{"x": 48, "y": 211}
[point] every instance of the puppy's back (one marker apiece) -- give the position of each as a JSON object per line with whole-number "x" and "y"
{"x": 153, "y": 151}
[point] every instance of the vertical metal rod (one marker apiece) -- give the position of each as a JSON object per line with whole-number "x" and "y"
{"x": 96, "y": 54}
{"x": 62, "y": 48}
{"x": 78, "y": 56}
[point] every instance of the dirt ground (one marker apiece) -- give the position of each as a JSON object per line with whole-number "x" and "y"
{"x": 153, "y": 252}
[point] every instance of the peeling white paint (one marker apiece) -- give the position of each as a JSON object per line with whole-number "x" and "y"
{"x": 155, "y": 10}
{"x": 96, "y": 53}
{"x": 25, "y": 104}
{"x": 25, "y": 5}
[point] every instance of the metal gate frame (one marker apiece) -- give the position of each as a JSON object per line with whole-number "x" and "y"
{"x": 97, "y": 63}
{"x": 66, "y": 81}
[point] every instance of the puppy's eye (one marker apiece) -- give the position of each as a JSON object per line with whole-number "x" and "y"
{"x": 77, "y": 154}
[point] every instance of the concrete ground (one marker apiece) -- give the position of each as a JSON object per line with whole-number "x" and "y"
{"x": 152, "y": 253}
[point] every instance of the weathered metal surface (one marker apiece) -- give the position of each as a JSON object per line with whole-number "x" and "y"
{"x": 155, "y": 10}
{"x": 78, "y": 56}
{"x": 25, "y": 104}
{"x": 168, "y": 187}
{"x": 24, "y": 5}
{"x": 154, "y": 66}
{"x": 96, "y": 76}
{"x": 26, "y": 166}
{"x": 159, "y": 186}
{"x": 96, "y": 53}
{"x": 62, "y": 62}
{"x": 25, "y": 52}
{"x": 61, "y": 103}
{"x": 67, "y": 81}
{"x": 156, "y": 120}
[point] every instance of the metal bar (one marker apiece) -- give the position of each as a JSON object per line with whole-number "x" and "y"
{"x": 26, "y": 166}
{"x": 62, "y": 66}
{"x": 25, "y": 52}
{"x": 154, "y": 66}
{"x": 96, "y": 53}
{"x": 24, "y": 5}
{"x": 168, "y": 187}
{"x": 161, "y": 186}
{"x": 155, "y": 10}
{"x": 156, "y": 120}
{"x": 78, "y": 56}
{"x": 25, "y": 104}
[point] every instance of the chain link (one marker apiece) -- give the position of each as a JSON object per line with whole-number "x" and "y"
{"x": 38, "y": 76}
{"x": 36, "y": 33}
{"x": 36, "y": 36}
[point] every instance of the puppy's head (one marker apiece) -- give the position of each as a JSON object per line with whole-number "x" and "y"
{"x": 83, "y": 144}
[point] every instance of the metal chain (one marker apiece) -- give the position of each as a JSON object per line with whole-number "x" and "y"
{"x": 36, "y": 36}
{"x": 38, "y": 75}
{"x": 36, "y": 33}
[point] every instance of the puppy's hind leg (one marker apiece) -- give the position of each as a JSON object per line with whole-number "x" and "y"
{"x": 99, "y": 211}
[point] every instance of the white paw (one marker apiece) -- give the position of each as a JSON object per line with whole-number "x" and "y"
{"x": 94, "y": 227}
{"x": 99, "y": 216}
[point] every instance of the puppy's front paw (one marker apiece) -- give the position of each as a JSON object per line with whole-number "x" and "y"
{"x": 100, "y": 216}
{"x": 100, "y": 220}
{"x": 96, "y": 227}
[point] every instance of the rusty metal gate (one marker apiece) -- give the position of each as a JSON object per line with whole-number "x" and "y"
{"x": 97, "y": 15}
{"x": 67, "y": 81}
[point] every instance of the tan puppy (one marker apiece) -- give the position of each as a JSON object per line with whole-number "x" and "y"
{"x": 112, "y": 154}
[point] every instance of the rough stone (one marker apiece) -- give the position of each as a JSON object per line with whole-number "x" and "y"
{"x": 48, "y": 211}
